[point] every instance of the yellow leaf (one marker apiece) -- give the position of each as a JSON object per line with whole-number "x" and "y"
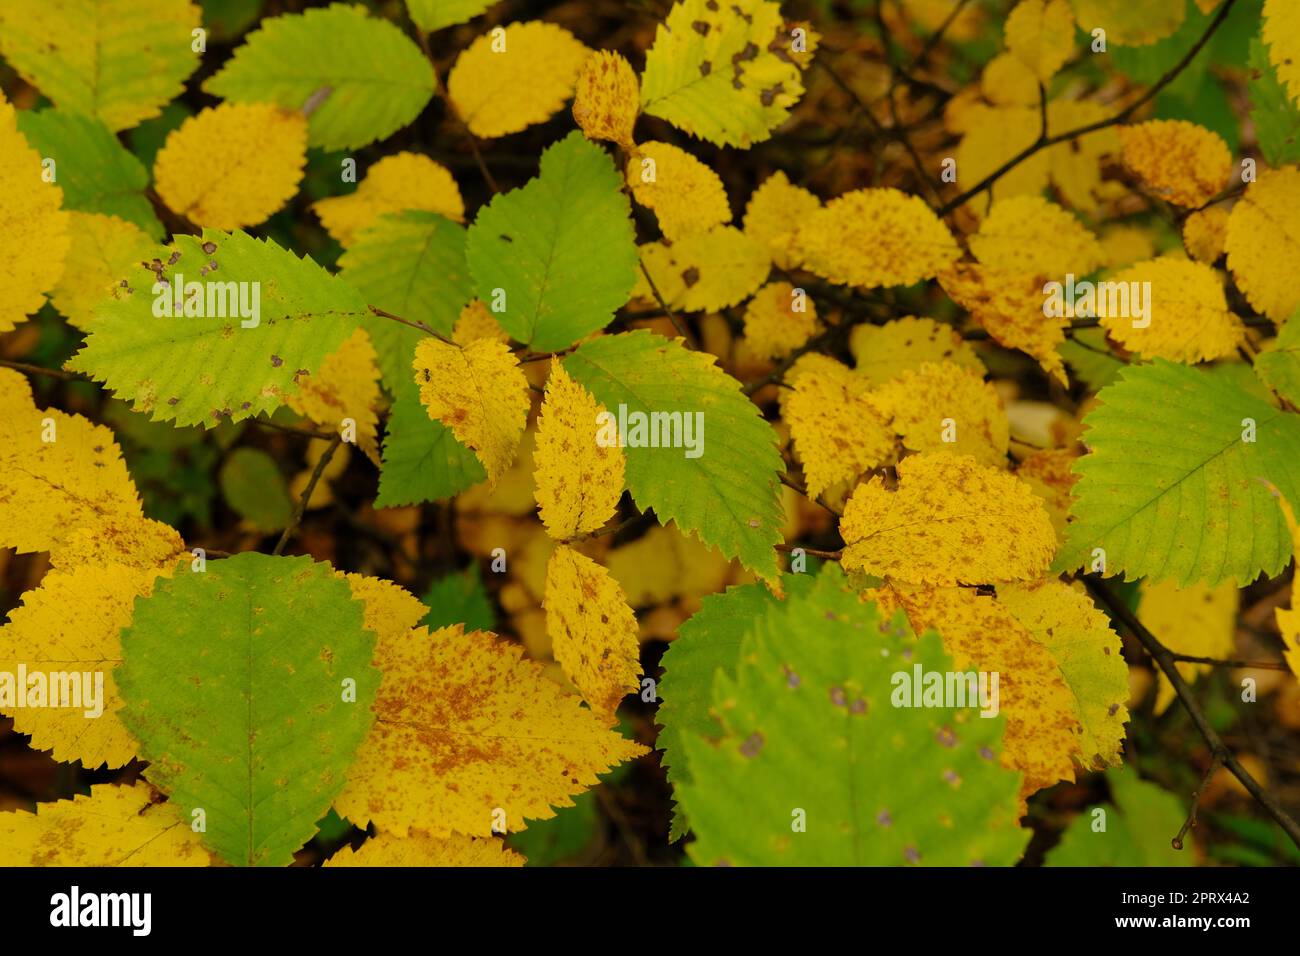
{"x": 1028, "y": 234}
{"x": 685, "y": 195}
{"x": 883, "y": 352}
{"x": 232, "y": 165}
{"x": 950, "y": 521}
{"x": 779, "y": 319}
{"x": 1189, "y": 318}
{"x": 514, "y": 77}
{"x": 113, "y": 826}
{"x": 1043, "y": 728}
{"x": 67, "y": 630}
{"x": 1281, "y": 31}
{"x": 578, "y": 458}
{"x": 1177, "y": 161}
{"x": 658, "y": 260}
{"x": 1050, "y": 474}
{"x": 718, "y": 268}
{"x": 1009, "y": 305}
{"x": 390, "y": 610}
{"x": 776, "y": 212}
{"x": 102, "y": 251}
{"x": 837, "y": 430}
{"x": 1077, "y": 166}
{"x": 1204, "y": 234}
{"x": 345, "y": 387}
{"x": 607, "y": 98}
{"x": 1195, "y": 620}
{"x": 1264, "y": 243}
{"x": 117, "y": 60}
{"x": 1041, "y": 34}
{"x": 876, "y": 237}
{"x": 1131, "y": 22}
{"x": 33, "y": 226}
{"x": 995, "y": 135}
{"x": 1123, "y": 245}
{"x": 64, "y": 475}
{"x": 395, "y": 183}
{"x": 664, "y": 564}
{"x": 1288, "y": 619}
{"x": 1008, "y": 81}
{"x": 479, "y": 392}
{"x": 476, "y": 322}
{"x": 1063, "y": 619}
{"x": 593, "y": 631}
{"x": 944, "y": 408}
{"x": 420, "y": 849}
{"x": 465, "y": 726}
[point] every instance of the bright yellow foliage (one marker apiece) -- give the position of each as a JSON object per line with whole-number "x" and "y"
{"x": 103, "y": 249}
{"x": 946, "y": 409}
{"x": 718, "y": 268}
{"x": 395, "y": 183}
{"x": 1189, "y": 321}
{"x": 579, "y": 470}
{"x": 1050, "y": 473}
{"x": 346, "y": 386}
{"x": 776, "y": 213}
{"x": 686, "y": 196}
{"x": 837, "y": 430}
{"x": 1195, "y": 620}
{"x": 464, "y": 726}
{"x": 1008, "y": 81}
{"x": 607, "y": 98}
{"x": 1281, "y": 31}
{"x": 514, "y": 77}
{"x": 1288, "y": 619}
{"x": 1177, "y": 161}
{"x": 113, "y": 826}
{"x": 1041, "y": 34}
{"x": 232, "y": 165}
{"x": 1028, "y": 234}
{"x": 883, "y": 352}
{"x": 476, "y": 322}
{"x": 877, "y": 237}
{"x": 779, "y": 319}
{"x": 420, "y": 849}
{"x": 1131, "y": 22}
{"x": 593, "y": 631}
{"x": 1263, "y": 243}
{"x": 951, "y": 521}
{"x": 1204, "y": 234}
{"x": 479, "y": 392}
{"x": 33, "y": 226}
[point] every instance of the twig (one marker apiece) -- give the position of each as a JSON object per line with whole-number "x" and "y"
{"x": 301, "y": 508}
{"x": 1177, "y": 842}
{"x": 672, "y": 316}
{"x": 936, "y": 36}
{"x": 1167, "y": 663}
{"x": 1219, "y": 662}
{"x": 824, "y": 555}
{"x": 41, "y": 370}
{"x": 290, "y": 429}
{"x": 796, "y": 487}
{"x": 415, "y": 325}
{"x": 1045, "y": 141}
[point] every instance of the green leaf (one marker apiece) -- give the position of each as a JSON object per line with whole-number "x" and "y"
{"x": 1090, "y": 358}
{"x": 708, "y": 643}
{"x": 1138, "y": 829}
{"x": 459, "y": 598}
{"x": 561, "y": 248}
{"x": 1278, "y": 366}
{"x": 1171, "y": 490}
{"x": 809, "y": 734}
{"x": 1274, "y": 113}
{"x": 422, "y": 460}
{"x": 254, "y": 488}
{"x": 94, "y": 170}
{"x": 729, "y": 496}
{"x": 209, "y": 369}
{"x": 411, "y": 264}
{"x": 265, "y": 643}
{"x": 430, "y": 15}
{"x": 227, "y": 19}
{"x": 377, "y": 78}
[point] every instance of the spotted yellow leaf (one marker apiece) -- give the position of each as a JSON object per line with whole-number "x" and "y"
{"x": 1263, "y": 243}
{"x": 395, "y": 183}
{"x": 883, "y": 352}
{"x": 1204, "y": 234}
{"x": 944, "y": 408}
{"x": 718, "y": 268}
{"x": 479, "y": 392}
{"x": 1189, "y": 318}
{"x": 779, "y": 319}
{"x": 685, "y": 195}
{"x": 1177, "y": 161}
{"x": 1028, "y": 234}
{"x": 1281, "y": 31}
{"x": 476, "y": 322}
{"x": 607, "y": 98}
{"x": 951, "y": 520}
{"x": 1288, "y": 619}
{"x": 775, "y": 215}
{"x": 346, "y": 387}
{"x": 837, "y": 430}
{"x": 420, "y": 849}
{"x": 102, "y": 250}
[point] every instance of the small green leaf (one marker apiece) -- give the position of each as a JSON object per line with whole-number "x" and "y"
{"x": 1274, "y": 113}
{"x": 561, "y": 249}
{"x": 254, "y": 488}
{"x": 1137, "y": 830}
{"x": 459, "y": 598}
{"x": 422, "y": 460}
{"x": 430, "y": 15}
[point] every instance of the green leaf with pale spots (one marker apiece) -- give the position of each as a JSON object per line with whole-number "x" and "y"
{"x": 1138, "y": 828}
{"x": 809, "y": 734}
{"x": 729, "y": 495}
{"x": 266, "y": 644}
{"x": 208, "y": 370}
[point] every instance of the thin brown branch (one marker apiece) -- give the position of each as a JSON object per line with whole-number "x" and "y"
{"x": 814, "y": 552}
{"x": 1165, "y": 659}
{"x": 58, "y": 373}
{"x": 672, "y": 316}
{"x": 1177, "y": 841}
{"x": 301, "y": 507}
{"x": 415, "y": 325}
{"x": 933, "y": 40}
